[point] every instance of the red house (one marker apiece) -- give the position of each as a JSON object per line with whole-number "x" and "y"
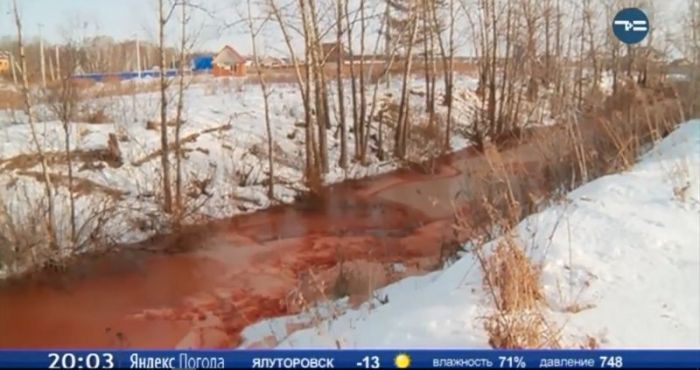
{"x": 228, "y": 62}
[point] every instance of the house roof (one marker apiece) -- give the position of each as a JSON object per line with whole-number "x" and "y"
{"x": 228, "y": 56}
{"x": 332, "y": 52}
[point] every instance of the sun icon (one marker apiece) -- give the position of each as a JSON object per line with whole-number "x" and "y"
{"x": 402, "y": 361}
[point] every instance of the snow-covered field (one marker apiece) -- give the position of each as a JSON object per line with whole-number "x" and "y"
{"x": 224, "y": 168}
{"x": 624, "y": 249}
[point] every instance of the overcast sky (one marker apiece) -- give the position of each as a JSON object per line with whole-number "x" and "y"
{"x": 123, "y": 19}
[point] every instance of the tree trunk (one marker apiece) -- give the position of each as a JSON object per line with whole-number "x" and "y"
{"x": 178, "y": 115}
{"x": 165, "y": 163}
{"x": 447, "y": 66}
{"x": 69, "y": 160}
{"x": 266, "y": 95}
{"x": 364, "y": 122}
{"x": 353, "y": 86}
{"x": 401, "y": 125}
{"x": 492, "y": 71}
{"x": 50, "y": 222}
{"x": 387, "y": 43}
{"x": 426, "y": 60}
{"x": 390, "y": 58}
{"x": 322, "y": 114}
{"x": 341, "y": 99}
{"x": 302, "y": 83}
{"x": 313, "y": 171}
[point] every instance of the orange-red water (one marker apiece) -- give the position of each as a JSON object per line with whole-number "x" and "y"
{"x": 234, "y": 272}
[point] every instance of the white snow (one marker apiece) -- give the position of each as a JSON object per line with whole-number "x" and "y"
{"x": 625, "y": 247}
{"x": 230, "y": 151}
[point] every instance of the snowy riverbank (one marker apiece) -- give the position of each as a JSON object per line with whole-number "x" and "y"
{"x": 224, "y": 163}
{"x": 623, "y": 249}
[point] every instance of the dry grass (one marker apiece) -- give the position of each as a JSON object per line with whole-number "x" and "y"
{"x": 510, "y": 278}
{"x": 510, "y": 274}
{"x": 521, "y": 330}
{"x": 23, "y": 233}
{"x": 513, "y": 283}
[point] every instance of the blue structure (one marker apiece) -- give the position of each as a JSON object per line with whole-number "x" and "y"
{"x": 99, "y": 77}
{"x": 202, "y": 63}
{"x": 199, "y": 63}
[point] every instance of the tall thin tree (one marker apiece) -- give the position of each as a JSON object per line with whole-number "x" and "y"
{"x": 48, "y": 188}
{"x": 163, "y": 18}
{"x": 179, "y": 111}
{"x": 254, "y": 31}
{"x": 340, "y": 7}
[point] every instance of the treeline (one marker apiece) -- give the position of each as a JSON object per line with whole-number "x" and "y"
{"x": 99, "y": 54}
{"x": 534, "y": 57}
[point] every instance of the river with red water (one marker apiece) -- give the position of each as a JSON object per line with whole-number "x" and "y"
{"x": 235, "y": 272}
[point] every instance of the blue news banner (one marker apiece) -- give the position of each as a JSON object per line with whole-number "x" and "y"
{"x": 359, "y": 359}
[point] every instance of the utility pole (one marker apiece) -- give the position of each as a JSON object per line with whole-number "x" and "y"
{"x": 41, "y": 55}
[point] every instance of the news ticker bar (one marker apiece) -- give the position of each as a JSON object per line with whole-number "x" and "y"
{"x": 359, "y": 359}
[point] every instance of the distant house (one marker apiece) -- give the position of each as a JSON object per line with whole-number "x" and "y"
{"x": 228, "y": 62}
{"x": 331, "y": 52}
{"x": 271, "y": 62}
{"x": 4, "y": 62}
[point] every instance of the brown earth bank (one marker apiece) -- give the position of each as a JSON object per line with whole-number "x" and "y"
{"x": 217, "y": 279}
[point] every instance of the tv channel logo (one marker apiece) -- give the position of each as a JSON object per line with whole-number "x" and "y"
{"x": 631, "y": 25}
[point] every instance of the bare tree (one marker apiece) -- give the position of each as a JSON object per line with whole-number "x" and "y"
{"x": 447, "y": 57}
{"x": 266, "y": 95}
{"x": 304, "y": 89}
{"x": 401, "y": 133}
{"x": 340, "y": 8}
{"x": 321, "y": 96}
{"x": 390, "y": 56}
{"x": 364, "y": 122}
{"x": 187, "y": 41}
{"x": 64, "y": 98}
{"x": 180, "y": 106}
{"x": 50, "y": 222}
{"x": 353, "y": 84}
{"x": 505, "y": 67}
{"x": 163, "y": 18}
